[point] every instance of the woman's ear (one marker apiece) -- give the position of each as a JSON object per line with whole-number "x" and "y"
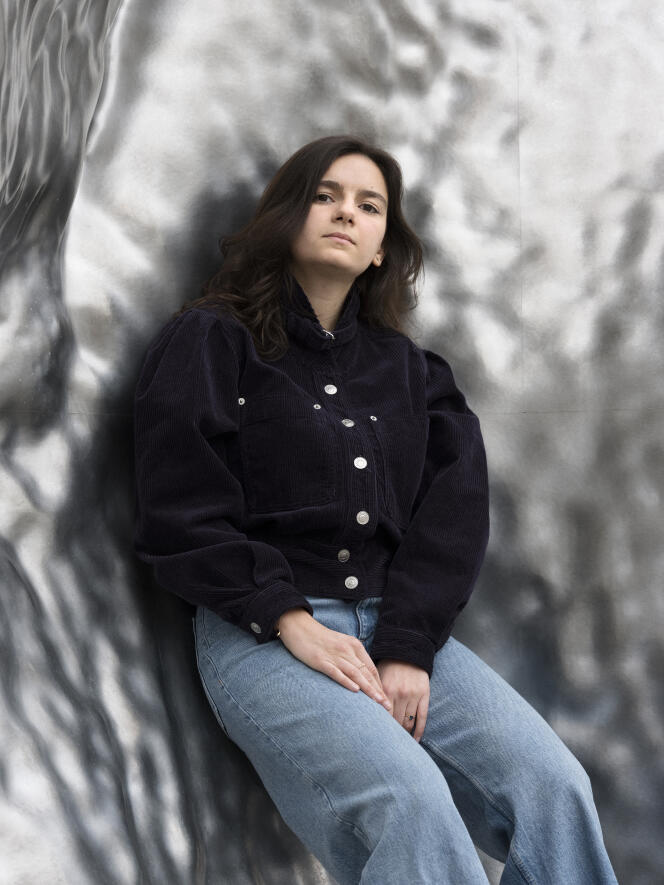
{"x": 378, "y": 258}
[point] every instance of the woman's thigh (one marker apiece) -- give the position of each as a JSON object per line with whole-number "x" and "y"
{"x": 326, "y": 755}
{"x": 498, "y": 755}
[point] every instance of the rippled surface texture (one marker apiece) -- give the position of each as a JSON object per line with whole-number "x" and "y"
{"x": 134, "y": 134}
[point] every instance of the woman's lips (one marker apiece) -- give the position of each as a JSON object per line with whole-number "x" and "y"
{"x": 342, "y": 237}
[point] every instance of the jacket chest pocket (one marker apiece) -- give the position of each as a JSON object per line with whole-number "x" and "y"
{"x": 402, "y": 442}
{"x": 288, "y": 456}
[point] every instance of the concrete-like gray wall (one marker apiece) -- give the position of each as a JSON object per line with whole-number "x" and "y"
{"x": 133, "y": 135}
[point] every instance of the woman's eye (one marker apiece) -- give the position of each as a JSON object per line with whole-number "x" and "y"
{"x": 369, "y": 207}
{"x": 323, "y": 198}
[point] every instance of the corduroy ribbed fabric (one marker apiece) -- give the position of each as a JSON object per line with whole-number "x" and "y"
{"x": 350, "y": 467}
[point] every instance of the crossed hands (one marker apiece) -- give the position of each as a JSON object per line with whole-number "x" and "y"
{"x": 402, "y": 688}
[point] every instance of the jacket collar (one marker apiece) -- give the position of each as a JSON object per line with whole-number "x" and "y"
{"x": 303, "y": 325}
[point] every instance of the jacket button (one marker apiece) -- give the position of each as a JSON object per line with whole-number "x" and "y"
{"x": 351, "y": 582}
{"x": 343, "y": 555}
{"x": 362, "y": 517}
{"x": 255, "y": 627}
{"x": 347, "y": 422}
{"x": 360, "y": 463}
{"x": 373, "y": 418}
{"x": 241, "y": 400}
{"x": 316, "y": 405}
{"x": 330, "y": 388}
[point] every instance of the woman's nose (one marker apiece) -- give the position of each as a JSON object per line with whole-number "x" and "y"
{"x": 345, "y": 210}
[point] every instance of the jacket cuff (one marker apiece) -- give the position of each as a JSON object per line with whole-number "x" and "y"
{"x": 403, "y": 645}
{"x": 267, "y": 606}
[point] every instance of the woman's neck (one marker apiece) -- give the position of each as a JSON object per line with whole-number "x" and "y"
{"x": 326, "y": 297}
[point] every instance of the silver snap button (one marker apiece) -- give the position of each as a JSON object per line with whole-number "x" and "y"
{"x": 360, "y": 462}
{"x": 241, "y": 400}
{"x": 330, "y": 388}
{"x": 373, "y": 418}
{"x": 316, "y": 405}
{"x": 347, "y": 422}
{"x": 343, "y": 555}
{"x": 351, "y": 582}
{"x": 255, "y": 627}
{"x": 362, "y": 517}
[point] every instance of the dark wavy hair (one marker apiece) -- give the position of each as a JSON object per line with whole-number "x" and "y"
{"x": 255, "y": 268}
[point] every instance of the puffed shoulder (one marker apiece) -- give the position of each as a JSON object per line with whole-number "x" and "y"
{"x": 188, "y": 345}
{"x": 442, "y": 391}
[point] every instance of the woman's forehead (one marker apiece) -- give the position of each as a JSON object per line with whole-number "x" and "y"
{"x": 358, "y": 172}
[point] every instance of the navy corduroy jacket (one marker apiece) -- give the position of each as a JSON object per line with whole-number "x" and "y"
{"x": 350, "y": 467}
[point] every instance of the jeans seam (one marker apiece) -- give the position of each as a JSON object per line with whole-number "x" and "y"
{"x": 357, "y": 830}
{"x": 457, "y": 765}
{"x": 202, "y": 631}
{"x": 518, "y": 862}
{"x": 520, "y": 866}
{"x": 213, "y": 703}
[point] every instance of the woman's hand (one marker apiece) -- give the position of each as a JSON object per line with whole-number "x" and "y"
{"x": 341, "y": 657}
{"x": 407, "y": 686}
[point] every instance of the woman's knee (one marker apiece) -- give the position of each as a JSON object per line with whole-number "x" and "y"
{"x": 573, "y": 782}
{"x": 412, "y": 791}
{"x": 557, "y": 779}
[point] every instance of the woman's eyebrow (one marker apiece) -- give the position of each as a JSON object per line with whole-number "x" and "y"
{"x": 335, "y": 186}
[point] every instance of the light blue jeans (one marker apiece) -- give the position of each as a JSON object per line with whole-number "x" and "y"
{"x": 376, "y": 807}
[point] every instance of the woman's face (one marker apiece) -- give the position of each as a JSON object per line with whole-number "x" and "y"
{"x": 344, "y": 230}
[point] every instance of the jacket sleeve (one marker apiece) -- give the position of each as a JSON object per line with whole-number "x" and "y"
{"x": 434, "y": 568}
{"x": 189, "y": 503}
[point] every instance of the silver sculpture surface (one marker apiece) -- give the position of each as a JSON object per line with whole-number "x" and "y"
{"x": 133, "y": 136}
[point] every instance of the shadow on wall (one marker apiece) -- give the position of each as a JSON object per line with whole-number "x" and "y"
{"x": 113, "y": 768}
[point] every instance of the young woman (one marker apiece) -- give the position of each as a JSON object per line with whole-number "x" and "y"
{"x": 316, "y": 485}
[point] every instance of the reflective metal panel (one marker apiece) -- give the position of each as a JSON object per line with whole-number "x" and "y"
{"x": 135, "y": 134}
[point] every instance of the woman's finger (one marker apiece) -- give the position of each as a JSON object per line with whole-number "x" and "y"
{"x": 341, "y": 657}
{"x": 368, "y": 671}
{"x": 357, "y": 683}
{"x": 330, "y": 669}
{"x": 399, "y": 712}
{"x": 353, "y": 674}
{"x": 408, "y": 720}
{"x": 361, "y": 667}
{"x": 421, "y": 717}
{"x": 408, "y": 688}
{"x": 362, "y": 674}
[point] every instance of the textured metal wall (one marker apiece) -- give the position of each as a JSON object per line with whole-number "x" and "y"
{"x": 133, "y": 135}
